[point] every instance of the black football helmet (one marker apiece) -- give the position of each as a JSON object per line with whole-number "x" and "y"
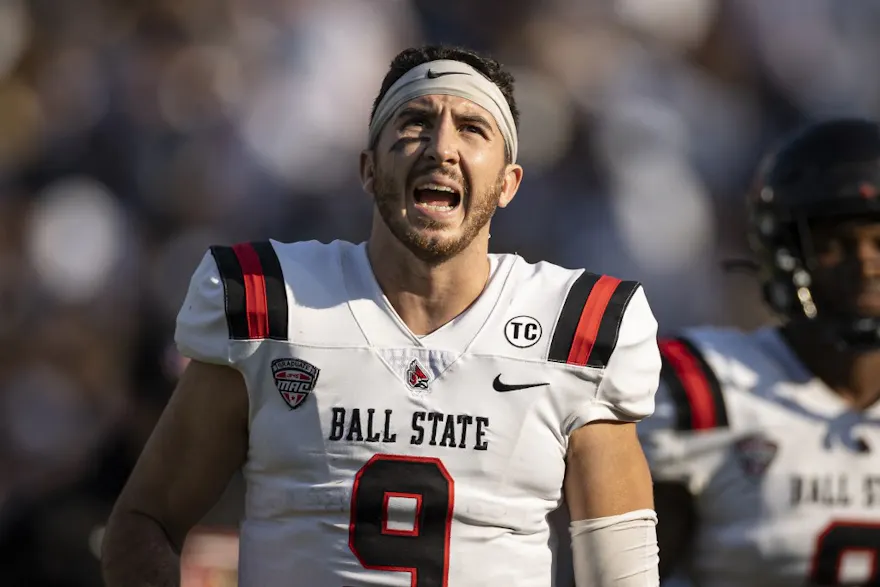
{"x": 830, "y": 169}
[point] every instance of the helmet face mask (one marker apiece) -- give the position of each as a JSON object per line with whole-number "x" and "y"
{"x": 828, "y": 172}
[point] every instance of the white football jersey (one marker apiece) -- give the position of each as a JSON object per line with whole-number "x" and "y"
{"x": 381, "y": 458}
{"x": 785, "y": 475}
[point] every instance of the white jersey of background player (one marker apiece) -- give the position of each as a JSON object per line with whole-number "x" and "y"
{"x": 412, "y": 410}
{"x": 765, "y": 446}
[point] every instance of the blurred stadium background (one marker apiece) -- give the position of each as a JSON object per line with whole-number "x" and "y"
{"x": 133, "y": 134}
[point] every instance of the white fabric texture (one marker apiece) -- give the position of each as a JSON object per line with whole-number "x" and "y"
{"x": 616, "y": 551}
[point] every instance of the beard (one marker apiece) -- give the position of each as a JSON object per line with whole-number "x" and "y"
{"x": 433, "y": 248}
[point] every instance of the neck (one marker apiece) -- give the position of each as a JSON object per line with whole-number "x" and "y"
{"x": 428, "y": 295}
{"x": 853, "y": 376}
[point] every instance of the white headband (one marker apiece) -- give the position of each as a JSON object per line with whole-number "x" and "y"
{"x": 453, "y": 78}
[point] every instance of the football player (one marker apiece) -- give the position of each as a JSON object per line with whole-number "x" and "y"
{"x": 411, "y": 410}
{"x": 765, "y": 445}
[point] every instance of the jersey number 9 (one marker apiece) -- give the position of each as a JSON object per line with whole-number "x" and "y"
{"x": 423, "y": 550}
{"x": 838, "y": 539}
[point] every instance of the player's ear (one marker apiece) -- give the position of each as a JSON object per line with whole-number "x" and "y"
{"x": 513, "y": 174}
{"x": 367, "y": 169}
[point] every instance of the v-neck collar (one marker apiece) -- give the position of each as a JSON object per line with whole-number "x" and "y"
{"x": 383, "y": 327}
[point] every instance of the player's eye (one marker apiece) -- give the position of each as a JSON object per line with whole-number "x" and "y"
{"x": 415, "y": 122}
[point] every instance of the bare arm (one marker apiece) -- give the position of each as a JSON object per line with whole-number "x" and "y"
{"x": 610, "y": 499}
{"x": 607, "y": 473}
{"x": 196, "y": 447}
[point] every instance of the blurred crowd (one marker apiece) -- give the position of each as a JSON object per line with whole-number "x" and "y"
{"x": 133, "y": 134}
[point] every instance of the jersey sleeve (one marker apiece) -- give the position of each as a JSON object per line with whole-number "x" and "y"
{"x": 685, "y": 440}
{"x": 628, "y": 382}
{"x": 202, "y": 331}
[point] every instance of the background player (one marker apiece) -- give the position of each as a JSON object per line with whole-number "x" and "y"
{"x": 766, "y": 445}
{"x": 349, "y": 381}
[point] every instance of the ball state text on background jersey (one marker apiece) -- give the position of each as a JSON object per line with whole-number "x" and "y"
{"x": 786, "y": 476}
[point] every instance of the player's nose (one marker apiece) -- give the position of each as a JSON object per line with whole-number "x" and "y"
{"x": 442, "y": 147}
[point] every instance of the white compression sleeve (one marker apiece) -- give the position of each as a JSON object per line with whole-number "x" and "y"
{"x": 617, "y": 551}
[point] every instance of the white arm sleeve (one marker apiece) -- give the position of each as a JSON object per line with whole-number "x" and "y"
{"x": 629, "y": 381}
{"x": 616, "y": 551}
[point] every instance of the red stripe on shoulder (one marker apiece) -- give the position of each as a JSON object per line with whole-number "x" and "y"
{"x": 255, "y": 290}
{"x": 590, "y": 320}
{"x": 695, "y": 385}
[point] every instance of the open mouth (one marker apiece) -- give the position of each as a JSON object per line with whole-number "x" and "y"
{"x": 436, "y": 197}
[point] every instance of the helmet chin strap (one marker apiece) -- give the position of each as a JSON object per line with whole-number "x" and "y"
{"x": 859, "y": 335}
{"x": 844, "y": 335}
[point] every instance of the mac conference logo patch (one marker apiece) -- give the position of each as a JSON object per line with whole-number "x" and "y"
{"x": 295, "y": 380}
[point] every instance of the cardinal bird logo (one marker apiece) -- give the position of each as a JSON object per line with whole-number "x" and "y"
{"x": 417, "y": 376}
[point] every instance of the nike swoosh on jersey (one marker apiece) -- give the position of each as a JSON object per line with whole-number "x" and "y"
{"x": 497, "y": 385}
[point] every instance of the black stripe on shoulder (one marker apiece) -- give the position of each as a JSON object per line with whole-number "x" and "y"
{"x": 233, "y": 291}
{"x": 566, "y": 325}
{"x": 683, "y": 418}
{"x": 706, "y": 382}
{"x": 609, "y": 327}
{"x": 276, "y": 292}
{"x": 721, "y": 420}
